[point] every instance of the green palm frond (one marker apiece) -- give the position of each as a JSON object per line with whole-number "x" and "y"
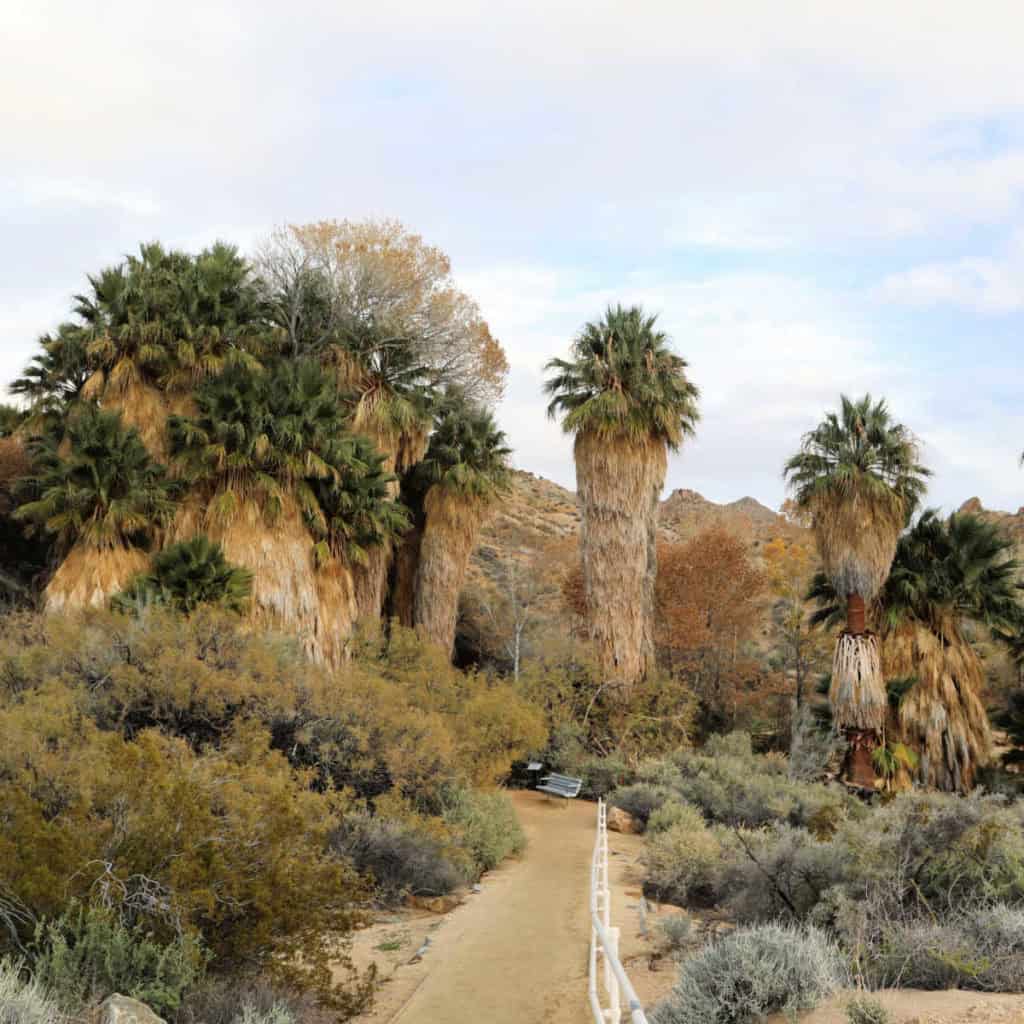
{"x": 624, "y": 381}
{"x": 185, "y": 576}
{"x": 106, "y": 491}
{"x": 859, "y": 454}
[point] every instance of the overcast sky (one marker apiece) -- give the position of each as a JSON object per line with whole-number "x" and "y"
{"x": 816, "y": 197}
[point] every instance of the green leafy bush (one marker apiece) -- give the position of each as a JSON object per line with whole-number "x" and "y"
{"x": 23, "y": 1000}
{"x": 751, "y": 973}
{"x": 676, "y": 931}
{"x": 87, "y": 953}
{"x": 486, "y": 826}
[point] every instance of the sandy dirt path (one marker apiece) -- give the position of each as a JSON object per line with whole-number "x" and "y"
{"x": 514, "y": 953}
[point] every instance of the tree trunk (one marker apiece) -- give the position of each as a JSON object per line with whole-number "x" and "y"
{"x": 449, "y": 536}
{"x": 619, "y": 485}
{"x": 859, "y": 768}
{"x": 856, "y": 615}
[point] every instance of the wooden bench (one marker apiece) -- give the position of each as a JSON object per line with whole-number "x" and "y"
{"x": 564, "y": 786}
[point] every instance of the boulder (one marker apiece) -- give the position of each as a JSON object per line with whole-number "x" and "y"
{"x": 118, "y": 1009}
{"x": 437, "y": 904}
{"x": 622, "y": 821}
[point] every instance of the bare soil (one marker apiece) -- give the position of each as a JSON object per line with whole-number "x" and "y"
{"x": 516, "y": 952}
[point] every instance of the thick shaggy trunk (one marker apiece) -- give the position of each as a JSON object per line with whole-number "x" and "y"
{"x": 619, "y": 483}
{"x": 401, "y": 452}
{"x": 859, "y": 767}
{"x": 942, "y": 715}
{"x": 90, "y": 577}
{"x": 403, "y": 578}
{"x": 449, "y": 537}
{"x": 289, "y": 591}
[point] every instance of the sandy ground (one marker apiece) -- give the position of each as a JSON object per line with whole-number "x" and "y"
{"x": 516, "y": 952}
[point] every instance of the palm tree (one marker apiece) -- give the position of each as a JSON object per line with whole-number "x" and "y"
{"x": 104, "y": 502}
{"x": 363, "y": 519}
{"x": 947, "y": 575}
{"x": 626, "y": 397}
{"x": 160, "y": 322}
{"x": 465, "y": 470}
{"x": 186, "y": 575}
{"x": 255, "y": 454}
{"x": 55, "y": 378}
{"x": 858, "y": 476}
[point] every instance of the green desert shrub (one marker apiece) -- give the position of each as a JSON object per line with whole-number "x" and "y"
{"x": 242, "y": 999}
{"x": 681, "y": 864}
{"x": 400, "y": 858}
{"x": 640, "y": 800}
{"x": 87, "y": 953}
{"x": 24, "y": 1000}
{"x": 865, "y": 1010}
{"x": 676, "y": 932}
{"x": 486, "y": 826}
{"x": 981, "y": 950}
{"x": 673, "y": 813}
{"x": 751, "y": 973}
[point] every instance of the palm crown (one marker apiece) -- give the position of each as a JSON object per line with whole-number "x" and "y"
{"x": 106, "y": 492}
{"x": 858, "y": 455}
{"x": 467, "y": 454}
{"x": 169, "y": 318}
{"x": 264, "y": 436}
{"x": 623, "y": 381}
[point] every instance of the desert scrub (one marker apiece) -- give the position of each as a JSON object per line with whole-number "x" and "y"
{"x": 865, "y": 1010}
{"x": 681, "y": 864}
{"x": 87, "y": 953}
{"x": 751, "y": 973}
{"x": 401, "y": 858}
{"x": 675, "y": 812}
{"x": 640, "y": 800}
{"x": 676, "y": 932}
{"x": 24, "y": 1000}
{"x": 486, "y": 826}
{"x": 243, "y": 999}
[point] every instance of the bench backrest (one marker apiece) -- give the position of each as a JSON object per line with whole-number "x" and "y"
{"x": 564, "y": 783}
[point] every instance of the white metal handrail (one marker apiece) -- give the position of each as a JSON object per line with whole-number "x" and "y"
{"x": 604, "y": 939}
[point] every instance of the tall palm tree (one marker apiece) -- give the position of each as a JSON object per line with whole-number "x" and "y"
{"x": 103, "y": 499}
{"x": 186, "y": 575}
{"x": 947, "y": 574}
{"x": 858, "y": 476}
{"x": 255, "y": 454}
{"x": 625, "y": 396}
{"x": 55, "y": 378}
{"x": 464, "y": 472}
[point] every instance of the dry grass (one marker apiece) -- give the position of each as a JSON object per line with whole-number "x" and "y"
{"x": 857, "y": 542}
{"x": 89, "y": 577}
{"x": 288, "y": 590}
{"x": 857, "y": 692}
{"x": 619, "y": 486}
{"x": 146, "y": 409}
{"x": 449, "y": 538}
{"x": 942, "y": 715}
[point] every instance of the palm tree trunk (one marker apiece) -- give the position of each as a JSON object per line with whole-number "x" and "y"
{"x": 619, "y": 485}
{"x": 450, "y": 535}
{"x": 89, "y": 577}
{"x": 403, "y": 586}
{"x": 289, "y": 591}
{"x": 857, "y": 693}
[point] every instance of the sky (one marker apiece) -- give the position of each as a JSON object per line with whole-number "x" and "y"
{"x": 816, "y": 197}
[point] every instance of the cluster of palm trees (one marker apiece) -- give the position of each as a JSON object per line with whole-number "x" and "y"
{"x": 909, "y": 588}
{"x": 271, "y": 432}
